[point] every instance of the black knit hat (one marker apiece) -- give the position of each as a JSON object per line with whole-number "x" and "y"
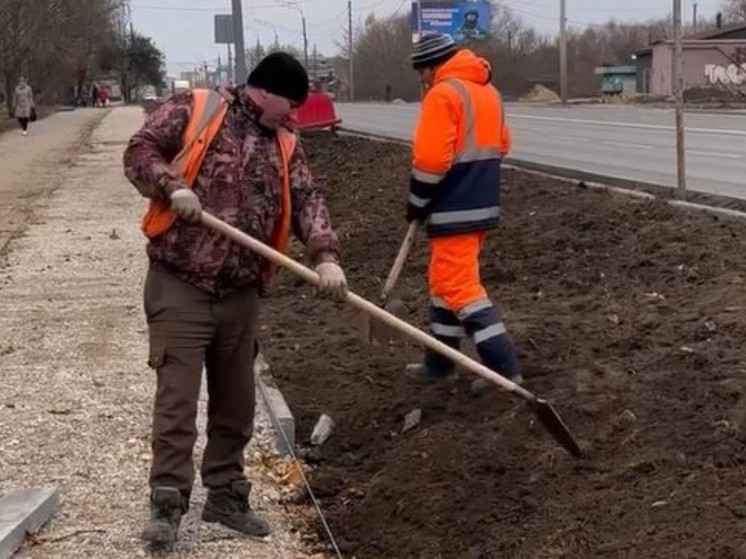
{"x": 281, "y": 74}
{"x": 432, "y": 50}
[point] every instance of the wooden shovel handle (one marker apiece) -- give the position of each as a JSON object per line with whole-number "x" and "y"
{"x": 367, "y": 307}
{"x": 401, "y": 258}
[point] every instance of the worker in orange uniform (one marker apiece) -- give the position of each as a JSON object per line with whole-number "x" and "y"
{"x": 460, "y": 140}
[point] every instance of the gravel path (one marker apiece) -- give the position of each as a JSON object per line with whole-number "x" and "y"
{"x": 76, "y": 394}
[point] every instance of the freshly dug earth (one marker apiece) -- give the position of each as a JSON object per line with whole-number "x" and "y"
{"x": 628, "y": 315}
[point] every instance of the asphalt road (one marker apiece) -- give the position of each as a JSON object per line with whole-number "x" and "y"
{"x": 633, "y": 143}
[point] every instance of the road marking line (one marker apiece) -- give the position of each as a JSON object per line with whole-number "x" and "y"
{"x": 725, "y": 132}
{"x": 566, "y": 138}
{"x": 714, "y": 154}
{"x": 626, "y": 144}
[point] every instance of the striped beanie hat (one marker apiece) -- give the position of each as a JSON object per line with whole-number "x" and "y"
{"x": 432, "y": 50}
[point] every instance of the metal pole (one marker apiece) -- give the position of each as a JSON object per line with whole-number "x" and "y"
{"x": 315, "y": 63}
{"x": 419, "y": 20}
{"x": 563, "y": 51}
{"x": 678, "y": 89}
{"x": 238, "y": 38}
{"x": 350, "y": 49}
{"x": 419, "y": 38}
{"x": 694, "y": 16}
{"x": 230, "y": 65}
{"x": 305, "y": 41}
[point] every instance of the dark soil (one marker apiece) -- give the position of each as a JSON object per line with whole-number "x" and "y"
{"x": 629, "y": 316}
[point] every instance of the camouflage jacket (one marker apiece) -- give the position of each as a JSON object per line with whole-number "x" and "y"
{"x": 239, "y": 182}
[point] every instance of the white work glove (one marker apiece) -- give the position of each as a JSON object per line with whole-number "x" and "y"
{"x": 186, "y": 204}
{"x": 332, "y": 281}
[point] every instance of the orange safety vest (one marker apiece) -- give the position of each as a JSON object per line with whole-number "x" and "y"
{"x": 207, "y": 118}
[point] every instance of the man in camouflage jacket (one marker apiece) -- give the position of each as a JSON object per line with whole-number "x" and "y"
{"x": 201, "y": 291}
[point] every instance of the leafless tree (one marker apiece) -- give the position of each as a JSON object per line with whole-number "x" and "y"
{"x": 56, "y": 43}
{"x": 736, "y": 10}
{"x": 520, "y": 56}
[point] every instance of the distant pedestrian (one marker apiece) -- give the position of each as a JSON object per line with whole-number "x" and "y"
{"x": 94, "y": 96}
{"x": 23, "y": 104}
{"x": 103, "y": 95}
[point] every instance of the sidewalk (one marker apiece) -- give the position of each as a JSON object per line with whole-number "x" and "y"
{"x": 76, "y": 397}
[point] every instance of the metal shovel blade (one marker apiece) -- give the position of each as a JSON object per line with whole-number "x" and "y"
{"x": 381, "y": 332}
{"x": 373, "y": 329}
{"x": 556, "y": 426}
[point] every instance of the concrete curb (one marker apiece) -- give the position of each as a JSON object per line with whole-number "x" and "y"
{"x": 279, "y": 412}
{"x": 619, "y": 185}
{"x": 22, "y": 512}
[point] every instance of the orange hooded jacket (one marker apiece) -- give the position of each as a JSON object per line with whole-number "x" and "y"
{"x": 459, "y": 142}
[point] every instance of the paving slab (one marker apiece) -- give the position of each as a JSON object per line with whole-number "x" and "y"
{"x": 22, "y": 512}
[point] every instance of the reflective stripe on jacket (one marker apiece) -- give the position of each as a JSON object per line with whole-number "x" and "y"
{"x": 460, "y": 140}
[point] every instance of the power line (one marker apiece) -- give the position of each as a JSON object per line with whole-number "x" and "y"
{"x": 556, "y": 18}
{"x": 213, "y": 9}
{"x": 373, "y": 5}
{"x": 401, "y": 5}
{"x": 335, "y": 19}
{"x": 618, "y": 8}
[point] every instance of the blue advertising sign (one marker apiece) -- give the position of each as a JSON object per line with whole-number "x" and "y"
{"x": 464, "y": 21}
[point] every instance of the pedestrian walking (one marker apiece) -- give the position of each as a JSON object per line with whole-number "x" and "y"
{"x": 103, "y": 95}
{"x": 24, "y": 107}
{"x": 94, "y": 95}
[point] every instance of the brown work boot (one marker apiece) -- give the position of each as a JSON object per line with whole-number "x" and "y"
{"x": 422, "y": 375}
{"x": 230, "y": 507}
{"x": 166, "y": 509}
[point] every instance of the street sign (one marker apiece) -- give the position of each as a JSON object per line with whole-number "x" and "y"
{"x": 464, "y": 21}
{"x": 224, "y": 29}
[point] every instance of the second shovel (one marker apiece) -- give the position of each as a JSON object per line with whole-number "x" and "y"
{"x": 373, "y": 330}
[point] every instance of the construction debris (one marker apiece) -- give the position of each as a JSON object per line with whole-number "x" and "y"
{"x": 540, "y": 94}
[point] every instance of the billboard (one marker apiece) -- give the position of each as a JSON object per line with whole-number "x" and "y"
{"x": 464, "y": 21}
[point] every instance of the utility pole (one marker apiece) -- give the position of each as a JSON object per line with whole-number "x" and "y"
{"x": 563, "y": 51}
{"x": 297, "y": 8}
{"x": 350, "y": 49}
{"x": 305, "y": 41}
{"x": 678, "y": 90}
{"x": 230, "y": 66}
{"x": 238, "y": 38}
{"x": 694, "y": 15}
{"x": 315, "y": 63}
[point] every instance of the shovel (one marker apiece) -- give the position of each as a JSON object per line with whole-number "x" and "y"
{"x": 375, "y": 330}
{"x": 544, "y": 412}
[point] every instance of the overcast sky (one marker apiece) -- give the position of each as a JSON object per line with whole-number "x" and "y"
{"x": 183, "y": 29}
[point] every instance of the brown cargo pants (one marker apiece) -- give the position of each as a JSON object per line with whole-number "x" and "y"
{"x": 189, "y": 329}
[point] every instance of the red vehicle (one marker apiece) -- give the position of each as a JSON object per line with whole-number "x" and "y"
{"x": 317, "y": 113}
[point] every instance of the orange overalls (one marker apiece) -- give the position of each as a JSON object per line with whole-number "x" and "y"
{"x": 459, "y": 142}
